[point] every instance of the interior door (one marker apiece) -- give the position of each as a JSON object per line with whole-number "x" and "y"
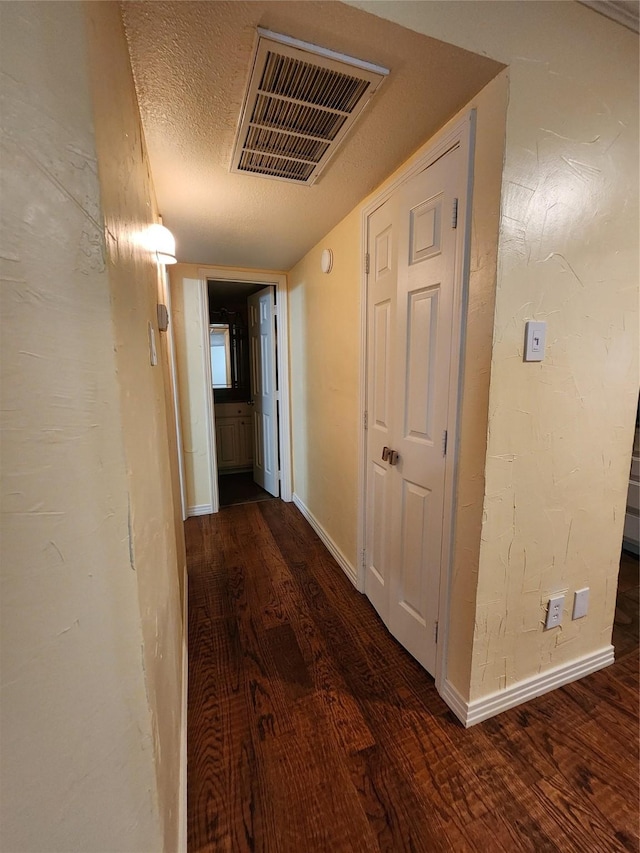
{"x": 381, "y": 324}
{"x": 264, "y": 394}
{"x": 412, "y": 247}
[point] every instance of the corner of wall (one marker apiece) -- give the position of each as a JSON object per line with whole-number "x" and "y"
{"x": 491, "y": 110}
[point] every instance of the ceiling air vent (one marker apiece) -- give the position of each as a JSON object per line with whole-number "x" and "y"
{"x": 300, "y": 103}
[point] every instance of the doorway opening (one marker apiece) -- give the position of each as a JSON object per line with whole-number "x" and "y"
{"x": 244, "y": 317}
{"x": 237, "y": 352}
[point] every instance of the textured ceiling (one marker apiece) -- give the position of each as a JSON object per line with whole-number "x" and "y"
{"x": 191, "y": 62}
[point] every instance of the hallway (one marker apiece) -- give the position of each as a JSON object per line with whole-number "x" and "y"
{"x": 311, "y": 729}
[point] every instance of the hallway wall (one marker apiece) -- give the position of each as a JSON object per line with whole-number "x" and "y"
{"x": 90, "y": 623}
{"x": 325, "y": 354}
{"x": 324, "y": 343}
{"x": 156, "y": 531}
{"x": 560, "y": 432}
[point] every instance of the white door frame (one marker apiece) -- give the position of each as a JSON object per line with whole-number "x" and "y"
{"x": 462, "y": 135}
{"x": 279, "y": 281}
{"x": 173, "y": 377}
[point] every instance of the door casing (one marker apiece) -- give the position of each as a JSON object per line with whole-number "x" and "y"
{"x": 460, "y": 134}
{"x": 282, "y": 358}
{"x": 175, "y": 399}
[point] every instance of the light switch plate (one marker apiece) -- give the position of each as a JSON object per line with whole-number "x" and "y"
{"x": 534, "y": 340}
{"x": 580, "y": 603}
{"x": 153, "y": 354}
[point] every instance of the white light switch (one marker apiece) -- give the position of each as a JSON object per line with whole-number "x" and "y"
{"x": 153, "y": 355}
{"x": 580, "y": 603}
{"x": 535, "y": 334}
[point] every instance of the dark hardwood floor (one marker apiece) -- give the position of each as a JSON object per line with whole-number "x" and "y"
{"x": 240, "y": 489}
{"x": 625, "y": 626}
{"x": 311, "y": 729}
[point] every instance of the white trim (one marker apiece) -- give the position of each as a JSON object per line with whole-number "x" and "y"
{"x": 465, "y": 132}
{"x": 279, "y": 282}
{"x": 208, "y": 398}
{"x": 199, "y": 509}
{"x": 182, "y": 791}
{"x": 284, "y": 393}
{"x": 173, "y": 375}
{"x": 327, "y": 541}
{"x": 289, "y": 41}
{"x": 460, "y": 134}
{"x": 470, "y": 713}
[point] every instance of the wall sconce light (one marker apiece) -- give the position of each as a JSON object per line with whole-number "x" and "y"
{"x": 326, "y": 260}
{"x": 163, "y": 243}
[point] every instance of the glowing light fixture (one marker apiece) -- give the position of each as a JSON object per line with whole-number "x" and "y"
{"x": 163, "y": 243}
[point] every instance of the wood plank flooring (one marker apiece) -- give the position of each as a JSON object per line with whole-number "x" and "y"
{"x": 240, "y": 488}
{"x": 310, "y": 729}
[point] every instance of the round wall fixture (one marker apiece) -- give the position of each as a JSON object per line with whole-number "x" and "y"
{"x": 326, "y": 260}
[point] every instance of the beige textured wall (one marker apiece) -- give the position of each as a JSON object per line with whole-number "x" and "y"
{"x": 155, "y": 528}
{"x": 560, "y": 432}
{"x": 324, "y": 323}
{"x": 78, "y": 739}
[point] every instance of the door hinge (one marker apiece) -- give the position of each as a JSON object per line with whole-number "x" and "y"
{"x": 454, "y": 214}
{"x": 367, "y": 263}
{"x": 435, "y": 633}
{"x": 445, "y": 440}
{"x": 365, "y": 420}
{"x": 364, "y": 558}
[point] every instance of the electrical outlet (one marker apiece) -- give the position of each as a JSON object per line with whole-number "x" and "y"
{"x": 554, "y": 611}
{"x": 580, "y": 603}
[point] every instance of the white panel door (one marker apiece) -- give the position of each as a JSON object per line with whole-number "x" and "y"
{"x": 404, "y": 539}
{"x": 262, "y": 342}
{"x": 381, "y": 322}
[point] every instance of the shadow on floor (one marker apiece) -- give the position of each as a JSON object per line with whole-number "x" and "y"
{"x": 625, "y": 626}
{"x": 240, "y": 489}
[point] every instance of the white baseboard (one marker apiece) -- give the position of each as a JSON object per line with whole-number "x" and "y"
{"x": 199, "y": 509}
{"x": 327, "y": 541}
{"x": 182, "y": 793}
{"x": 470, "y": 713}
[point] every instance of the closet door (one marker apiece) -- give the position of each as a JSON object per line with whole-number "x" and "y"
{"x": 410, "y": 317}
{"x": 381, "y": 327}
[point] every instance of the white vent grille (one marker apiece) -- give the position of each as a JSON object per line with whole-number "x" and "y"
{"x": 300, "y": 103}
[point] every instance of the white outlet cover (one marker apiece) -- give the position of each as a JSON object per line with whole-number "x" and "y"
{"x": 554, "y": 611}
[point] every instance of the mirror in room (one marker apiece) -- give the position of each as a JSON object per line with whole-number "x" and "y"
{"x": 220, "y": 346}
{"x": 229, "y": 349}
